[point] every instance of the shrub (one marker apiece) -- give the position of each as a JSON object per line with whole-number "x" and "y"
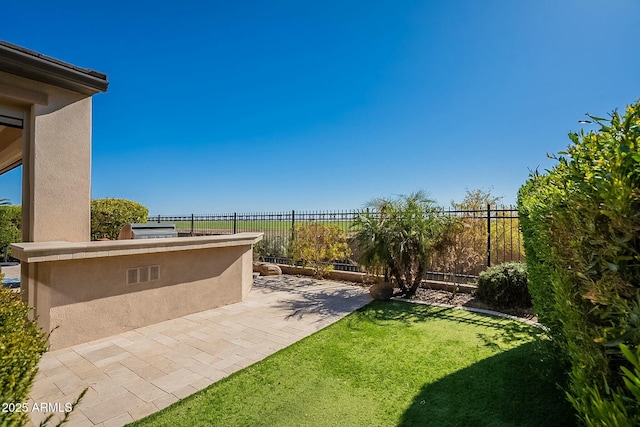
{"x": 581, "y": 225}
{"x": 469, "y": 253}
{"x": 22, "y": 343}
{"x": 316, "y": 245}
{"x": 505, "y": 285}
{"x": 270, "y": 246}
{"x": 402, "y": 235}
{"x": 108, "y": 216}
{"x": 546, "y": 272}
{"x": 10, "y": 228}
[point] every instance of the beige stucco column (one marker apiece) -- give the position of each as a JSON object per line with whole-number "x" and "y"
{"x": 57, "y": 170}
{"x": 56, "y": 176}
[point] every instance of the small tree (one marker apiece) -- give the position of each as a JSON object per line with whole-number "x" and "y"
{"x": 316, "y": 245}
{"x": 468, "y": 255}
{"x": 402, "y": 235}
{"x": 477, "y": 200}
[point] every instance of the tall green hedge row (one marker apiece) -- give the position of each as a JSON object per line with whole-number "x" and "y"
{"x": 109, "y": 215}
{"x": 581, "y": 226}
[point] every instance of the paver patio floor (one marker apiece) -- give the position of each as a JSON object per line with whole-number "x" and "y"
{"x": 136, "y": 373}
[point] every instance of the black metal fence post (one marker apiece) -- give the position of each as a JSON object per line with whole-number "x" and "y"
{"x": 293, "y": 224}
{"x": 192, "y": 224}
{"x": 235, "y": 222}
{"x": 488, "y": 235}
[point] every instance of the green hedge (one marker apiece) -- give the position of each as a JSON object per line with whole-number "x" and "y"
{"x": 504, "y": 285}
{"x": 581, "y": 227}
{"x": 107, "y": 218}
{"x": 22, "y": 344}
{"x": 10, "y": 227}
{"x": 109, "y": 215}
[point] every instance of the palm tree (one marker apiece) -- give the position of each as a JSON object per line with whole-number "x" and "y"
{"x": 401, "y": 235}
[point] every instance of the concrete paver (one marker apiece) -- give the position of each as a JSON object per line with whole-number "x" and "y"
{"x": 139, "y": 372}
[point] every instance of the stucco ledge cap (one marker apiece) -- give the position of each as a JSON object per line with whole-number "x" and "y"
{"x": 36, "y": 251}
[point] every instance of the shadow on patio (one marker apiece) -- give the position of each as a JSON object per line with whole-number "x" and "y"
{"x": 307, "y": 296}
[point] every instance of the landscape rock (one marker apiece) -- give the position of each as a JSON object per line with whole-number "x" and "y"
{"x": 381, "y": 291}
{"x": 266, "y": 269}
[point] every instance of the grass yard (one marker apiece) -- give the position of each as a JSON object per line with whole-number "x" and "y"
{"x": 219, "y": 225}
{"x": 391, "y": 364}
{"x": 274, "y": 227}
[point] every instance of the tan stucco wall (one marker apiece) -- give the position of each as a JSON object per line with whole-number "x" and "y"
{"x": 61, "y": 169}
{"x": 247, "y": 272}
{"x": 90, "y": 299}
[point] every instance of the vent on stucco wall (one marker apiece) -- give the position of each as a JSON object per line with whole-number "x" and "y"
{"x": 142, "y": 274}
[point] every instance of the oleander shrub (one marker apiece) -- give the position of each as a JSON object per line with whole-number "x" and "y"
{"x": 22, "y": 343}
{"x": 315, "y": 245}
{"x": 10, "y": 228}
{"x": 504, "y": 285}
{"x": 581, "y": 227}
{"x": 108, "y": 216}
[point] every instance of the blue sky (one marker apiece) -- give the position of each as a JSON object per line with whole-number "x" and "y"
{"x": 276, "y": 105}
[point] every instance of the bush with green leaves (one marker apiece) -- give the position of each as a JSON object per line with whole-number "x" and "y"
{"x": 504, "y": 285}
{"x": 402, "y": 235}
{"x": 315, "y": 245}
{"x": 10, "y": 227}
{"x": 581, "y": 227}
{"x": 108, "y": 216}
{"x": 620, "y": 406}
{"x": 271, "y": 247}
{"x": 22, "y": 343}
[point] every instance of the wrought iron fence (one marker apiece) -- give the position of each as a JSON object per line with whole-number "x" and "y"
{"x": 489, "y": 237}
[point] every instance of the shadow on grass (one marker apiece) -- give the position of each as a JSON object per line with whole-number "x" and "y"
{"x": 513, "y": 388}
{"x": 409, "y": 313}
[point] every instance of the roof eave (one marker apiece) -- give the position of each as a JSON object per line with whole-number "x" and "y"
{"x": 32, "y": 65}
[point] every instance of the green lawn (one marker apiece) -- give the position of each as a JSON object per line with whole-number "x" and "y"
{"x": 391, "y": 364}
{"x": 272, "y": 226}
{"x": 228, "y": 225}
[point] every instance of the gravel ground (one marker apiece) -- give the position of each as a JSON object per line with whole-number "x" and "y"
{"x": 461, "y": 299}
{"x": 458, "y": 299}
